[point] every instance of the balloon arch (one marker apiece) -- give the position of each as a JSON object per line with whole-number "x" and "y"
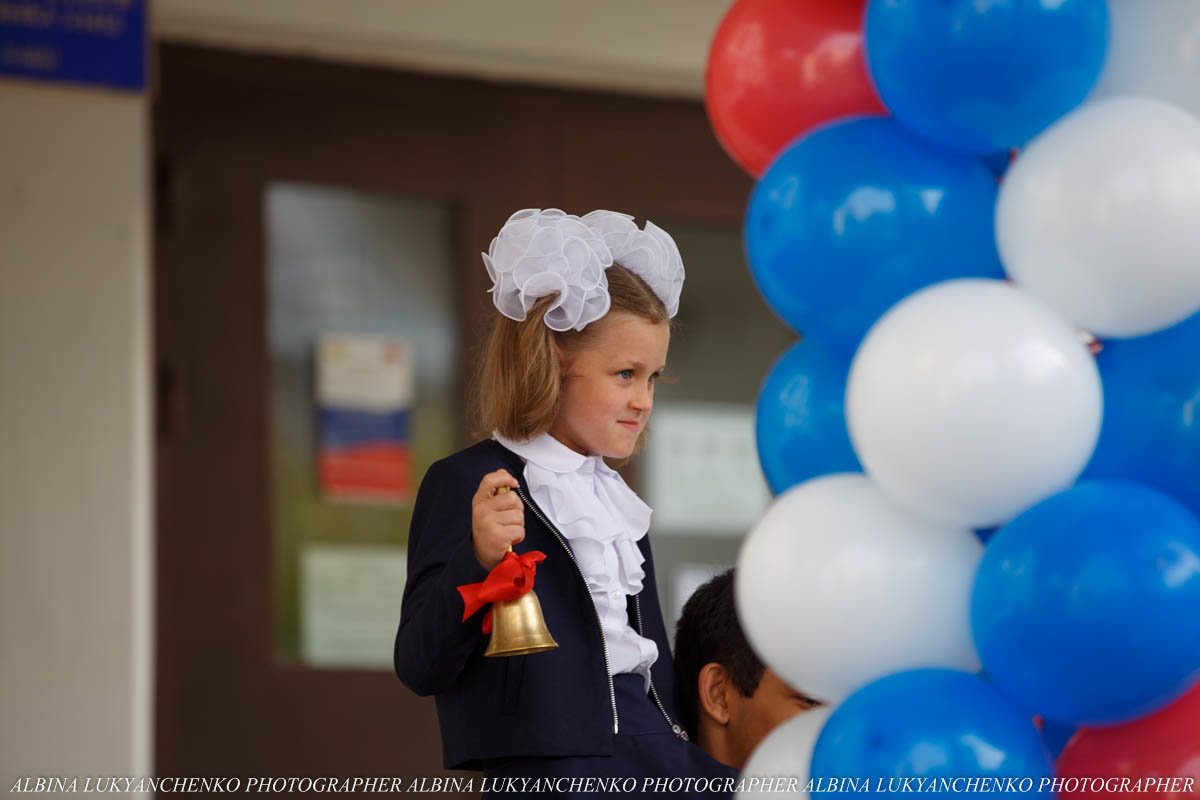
{"x": 982, "y": 219}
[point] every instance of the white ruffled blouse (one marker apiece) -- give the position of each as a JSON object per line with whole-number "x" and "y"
{"x": 602, "y": 520}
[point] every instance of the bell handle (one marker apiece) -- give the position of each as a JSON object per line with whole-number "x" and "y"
{"x": 498, "y": 491}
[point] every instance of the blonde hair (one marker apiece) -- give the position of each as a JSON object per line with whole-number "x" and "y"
{"x": 518, "y": 385}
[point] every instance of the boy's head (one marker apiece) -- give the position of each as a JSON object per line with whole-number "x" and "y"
{"x": 727, "y": 698}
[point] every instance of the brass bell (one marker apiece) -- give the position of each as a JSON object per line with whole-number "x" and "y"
{"x": 518, "y": 627}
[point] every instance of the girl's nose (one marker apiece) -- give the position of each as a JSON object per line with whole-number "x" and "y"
{"x": 643, "y": 398}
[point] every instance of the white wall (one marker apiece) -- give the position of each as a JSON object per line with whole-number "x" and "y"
{"x": 653, "y": 47}
{"x": 76, "y": 563}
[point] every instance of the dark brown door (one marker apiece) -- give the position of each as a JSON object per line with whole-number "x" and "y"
{"x": 226, "y": 127}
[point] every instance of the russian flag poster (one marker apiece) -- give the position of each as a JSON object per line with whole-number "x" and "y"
{"x": 364, "y": 393}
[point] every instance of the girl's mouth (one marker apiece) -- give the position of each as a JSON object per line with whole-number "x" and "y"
{"x": 633, "y": 426}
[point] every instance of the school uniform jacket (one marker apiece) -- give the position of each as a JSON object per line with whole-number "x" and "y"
{"x": 556, "y": 703}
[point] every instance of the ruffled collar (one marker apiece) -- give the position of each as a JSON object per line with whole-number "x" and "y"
{"x": 549, "y": 453}
{"x": 593, "y": 507}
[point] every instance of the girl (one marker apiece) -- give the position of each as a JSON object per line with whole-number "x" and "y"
{"x": 567, "y": 380}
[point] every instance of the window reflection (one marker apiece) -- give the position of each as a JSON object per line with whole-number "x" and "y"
{"x": 354, "y": 271}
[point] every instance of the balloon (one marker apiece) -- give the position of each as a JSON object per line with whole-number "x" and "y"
{"x": 837, "y": 586}
{"x": 985, "y": 534}
{"x": 1153, "y": 52}
{"x": 787, "y": 750}
{"x": 1097, "y": 216}
{"x": 799, "y": 423}
{"x": 998, "y": 163}
{"x": 930, "y": 723}
{"x": 1165, "y": 744}
{"x": 858, "y": 214}
{"x": 1055, "y": 736}
{"x": 1151, "y": 430}
{"x": 981, "y": 77}
{"x": 1085, "y": 606}
{"x": 778, "y": 68}
{"x": 970, "y": 401}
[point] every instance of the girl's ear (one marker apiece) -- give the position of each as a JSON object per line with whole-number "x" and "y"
{"x": 564, "y": 360}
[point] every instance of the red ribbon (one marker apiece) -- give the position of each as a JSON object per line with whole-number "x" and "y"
{"x": 508, "y": 580}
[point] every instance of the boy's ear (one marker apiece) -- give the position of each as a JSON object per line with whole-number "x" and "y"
{"x": 714, "y": 686}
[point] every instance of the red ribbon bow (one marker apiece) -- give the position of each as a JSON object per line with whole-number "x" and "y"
{"x": 508, "y": 580}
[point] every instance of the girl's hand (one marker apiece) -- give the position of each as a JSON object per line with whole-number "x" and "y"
{"x": 497, "y": 520}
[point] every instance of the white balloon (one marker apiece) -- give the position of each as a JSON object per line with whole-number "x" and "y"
{"x": 837, "y": 586}
{"x": 1153, "y": 50}
{"x": 786, "y": 752}
{"x": 970, "y": 400}
{"x": 1098, "y": 216}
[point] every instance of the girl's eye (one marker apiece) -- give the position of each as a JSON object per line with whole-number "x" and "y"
{"x": 626, "y": 374}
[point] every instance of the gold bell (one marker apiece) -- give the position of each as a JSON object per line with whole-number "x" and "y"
{"x": 518, "y": 627}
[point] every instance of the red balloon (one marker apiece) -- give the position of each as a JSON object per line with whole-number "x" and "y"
{"x": 1165, "y": 744}
{"x": 778, "y": 68}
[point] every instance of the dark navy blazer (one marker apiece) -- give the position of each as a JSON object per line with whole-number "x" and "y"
{"x": 557, "y": 703}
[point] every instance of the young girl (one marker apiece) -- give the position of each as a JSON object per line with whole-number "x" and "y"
{"x": 567, "y": 380}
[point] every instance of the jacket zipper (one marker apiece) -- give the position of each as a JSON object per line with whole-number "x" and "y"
{"x": 678, "y": 730}
{"x": 612, "y": 694}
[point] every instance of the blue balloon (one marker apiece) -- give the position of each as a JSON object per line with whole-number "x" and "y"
{"x": 800, "y": 424}
{"x": 1056, "y": 735}
{"x": 985, "y": 534}
{"x": 1151, "y": 430}
{"x": 981, "y": 77}
{"x": 1086, "y": 608}
{"x": 998, "y": 163}
{"x": 859, "y": 214}
{"x": 933, "y": 724}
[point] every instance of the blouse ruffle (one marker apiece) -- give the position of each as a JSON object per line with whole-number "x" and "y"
{"x": 602, "y": 520}
{"x": 594, "y": 508}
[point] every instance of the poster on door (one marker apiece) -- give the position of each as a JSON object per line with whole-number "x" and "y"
{"x": 364, "y": 400}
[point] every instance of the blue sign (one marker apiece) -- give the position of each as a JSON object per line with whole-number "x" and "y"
{"x": 75, "y": 41}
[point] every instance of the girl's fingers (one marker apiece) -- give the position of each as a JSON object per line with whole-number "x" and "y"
{"x": 504, "y": 519}
{"x": 509, "y": 501}
{"x": 505, "y": 501}
{"x": 499, "y": 516}
{"x": 493, "y": 481}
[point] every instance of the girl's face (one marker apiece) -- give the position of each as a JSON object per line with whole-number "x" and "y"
{"x": 608, "y": 388}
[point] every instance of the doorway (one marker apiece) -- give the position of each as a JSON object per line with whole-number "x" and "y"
{"x": 245, "y": 147}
